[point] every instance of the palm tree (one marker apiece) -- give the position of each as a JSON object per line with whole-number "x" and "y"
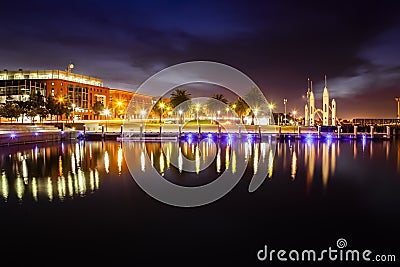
{"x": 216, "y": 103}
{"x": 178, "y": 97}
{"x": 241, "y": 108}
{"x": 220, "y": 97}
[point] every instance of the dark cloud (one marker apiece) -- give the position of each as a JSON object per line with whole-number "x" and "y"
{"x": 276, "y": 43}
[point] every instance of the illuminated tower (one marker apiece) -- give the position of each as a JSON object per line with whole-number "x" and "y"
{"x": 312, "y": 107}
{"x": 306, "y": 116}
{"x": 306, "y": 109}
{"x": 333, "y": 112}
{"x": 325, "y": 106}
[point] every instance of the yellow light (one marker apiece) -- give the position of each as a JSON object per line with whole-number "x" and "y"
{"x": 161, "y": 105}
{"x": 106, "y": 112}
{"x": 119, "y": 103}
{"x": 60, "y": 99}
{"x": 271, "y": 106}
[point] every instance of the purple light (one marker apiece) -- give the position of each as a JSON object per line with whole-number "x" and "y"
{"x": 209, "y": 135}
{"x": 36, "y": 134}
{"x": 13, "y": 135}
{"x": 62, "y": 132}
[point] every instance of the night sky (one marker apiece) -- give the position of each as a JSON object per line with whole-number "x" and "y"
{"x": 278, "y": 44}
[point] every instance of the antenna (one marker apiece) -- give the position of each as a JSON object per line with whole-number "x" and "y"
{"x": 325, "y": 81}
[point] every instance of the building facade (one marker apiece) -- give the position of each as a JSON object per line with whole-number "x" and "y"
{"x": 81, "y": 91}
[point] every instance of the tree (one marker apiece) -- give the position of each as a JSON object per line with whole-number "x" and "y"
{"x": 2, "y": 112}
{"x": 97, "y": 107}
{"x": 43, "y": 112}
{"x": 11, "y": 110}
{"x": 217, "y": 102}
{"x": 180, "y": 98}
{"x": 51, "y": 106}
{"x": 160, "y": 107}
{"x": 241, "y": 108}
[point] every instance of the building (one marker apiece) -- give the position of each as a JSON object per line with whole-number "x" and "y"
{"x": 81, "y": 91}
{"x": 310, "y": 111}
{"x": 120, "y": 100}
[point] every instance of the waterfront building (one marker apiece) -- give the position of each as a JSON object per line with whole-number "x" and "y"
{"x": 81, "y": 91}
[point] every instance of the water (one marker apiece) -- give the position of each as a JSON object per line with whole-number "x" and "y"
{"x": 74, "y": 200}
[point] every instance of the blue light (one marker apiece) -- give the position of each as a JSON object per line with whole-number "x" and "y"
{"x": 62, "y": 132}
{"x": 209, "y": 135}
{"x": 189, "y": 135}
{"x": 12, "y": 135}
{"x": 36, "y": 134}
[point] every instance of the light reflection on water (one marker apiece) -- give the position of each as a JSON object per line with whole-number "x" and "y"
{"x": 64, "y": 171}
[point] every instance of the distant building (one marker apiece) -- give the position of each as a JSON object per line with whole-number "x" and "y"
{"x": 310, "y": 111}
{"x": 120, "y": 100}
{"x": 82, "y": 91}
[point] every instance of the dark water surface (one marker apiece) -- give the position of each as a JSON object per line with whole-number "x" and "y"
{"x": 78, "y": 203}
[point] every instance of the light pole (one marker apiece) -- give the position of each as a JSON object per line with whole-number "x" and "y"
{"x": 197, "y": 113}
{"x": 397, "y": 99}
{"x": 255, "y": 114}
{"x": 227, "y": 111}
{"x": 142, "y": 112}
{"x": 180, "y": 116}
{"x": 106, "y": 112}
{"x": 294, "y": 112}
{"x": 218, "y": 112}
{"x": 73, "y": 112}
{"x": 271, "y": 107}
{"x": 161, "y": 105}
{"x": 284, "y": 103}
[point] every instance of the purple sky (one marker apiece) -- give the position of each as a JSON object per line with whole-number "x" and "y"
{"x": 278, "y": 44}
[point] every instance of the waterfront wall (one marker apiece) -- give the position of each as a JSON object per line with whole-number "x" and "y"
{"x": 21, "y": 138}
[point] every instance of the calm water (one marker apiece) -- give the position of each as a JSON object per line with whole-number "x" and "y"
{"x": 79, "y": 199}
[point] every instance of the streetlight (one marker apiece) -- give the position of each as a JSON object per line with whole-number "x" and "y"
{"x": 284, "y": 103}
{"x": 256, "y": 113}
{"x": 218, "y": 112}
{"x": 294, "y": 112}
{"x": 73, "y": 112}
{"x": 271, "y": 107}
{"x": 161, "y": 105}
{"x": 227, "y": 110}
{"x": 197, "y": 112}
{"x": 119, "y": 104}
{"x": 180, "y": 116}
{"x": 106, "y": 112}
{"x": 397, "y": 99}
{"x": 143, "y": 112}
